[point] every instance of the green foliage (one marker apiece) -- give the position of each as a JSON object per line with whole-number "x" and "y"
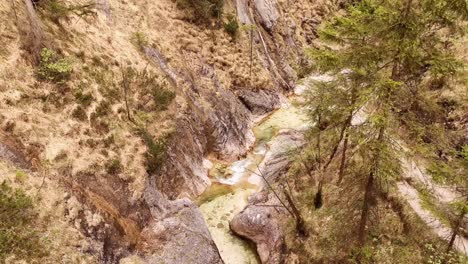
{"x": 53, "y": 67}
{"x": 231, "y": 26}
{"x": 156, "y": 152}
{"x": 17, "y": 235}
{"x": 388, "y": 49}
{"x": 162, "y": 97}
{"x": 21, "y": 176}
{"x": 437, "y": 256}
{"x": 114, "y": 167}
{"x": 57, "y": 10}
{"x": 85, "y": 99}
{"x": 440, "y": 172}
{"x": 428, "y": 203}
{"x": 202, "y": 11}
{"x": 140, "y": 40}
{"x": 146, "y": 82}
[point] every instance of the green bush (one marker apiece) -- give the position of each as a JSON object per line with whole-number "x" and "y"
{"x": 162, "y": 97}
{"x": 232, "y": 26}
{"x": 53, "y": 67}
{"x": 202, "y": 10}
{"x": 156, "y": 153}
{"x": 140, "y": 40}
{"x": 17, "y": 235}
{"x": 440, "y": 172}
{"x": 21, "y": 176}
{"x": 85, "y": 99}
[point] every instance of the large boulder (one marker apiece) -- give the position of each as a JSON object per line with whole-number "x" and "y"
{"x": 268, "y": 13}
{"x": 277, "y": 159}
{"x": 176, "y": 234}
{"x": 260, "y": 102}
{"x": 259, "y": 222}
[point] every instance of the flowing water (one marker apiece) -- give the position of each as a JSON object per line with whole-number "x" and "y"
{"x": 233, "y": 183}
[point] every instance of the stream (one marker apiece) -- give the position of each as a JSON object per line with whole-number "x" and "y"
{"x": 233, "y": 183}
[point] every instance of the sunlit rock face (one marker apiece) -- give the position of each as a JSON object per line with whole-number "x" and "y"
{"x": 259, "y": 223}
{"x": 261, "y": 101}
{"x": 179, "y": 236}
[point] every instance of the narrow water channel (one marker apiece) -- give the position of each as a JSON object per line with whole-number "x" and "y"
{"x": 233, "y": 183}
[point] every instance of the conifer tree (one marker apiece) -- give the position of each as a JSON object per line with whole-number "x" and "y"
{"x": 386, "y": 51}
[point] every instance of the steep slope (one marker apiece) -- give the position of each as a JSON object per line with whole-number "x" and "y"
{"x": 101, "y": 130}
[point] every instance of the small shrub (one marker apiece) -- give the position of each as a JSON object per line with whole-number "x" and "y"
{"x": 53, "y": 67}
{"x": 103, "y": 109}
{"x": 114, "y": 167}
{"x": 85, "y": 99}
{"x": 162, "y": 97}
{"x": 232, "y": 26}
{"x": 140, "y": 40}
{"x": 17, "y": 235}
{"x": 156, "y": 153}
{"x": 79, "y": 113}
{"x": 202, "y": 10}
{"x": 20, "y": 176}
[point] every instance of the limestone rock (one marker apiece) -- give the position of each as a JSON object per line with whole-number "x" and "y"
{"x": 179, "y": 235}
{"x": 268, "y": 13}
{"x": 260, "y": 102}
{"x": 260, "y": 225}
{"x": 277, "y": 159}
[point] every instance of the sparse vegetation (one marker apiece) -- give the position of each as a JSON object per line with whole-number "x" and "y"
{"x": 156, "y": 153}
{"x": 79, "y": 113}
{"x": 202, "y": 11}
{"x": 20, "y": 176}
{"x": 114, "y": 166}
{"x": 162, "y": 97}
{"x": 17, "y": 234}
{"x": 103, "y": 109}
{"x": 140, "y": 40}
{"x": 85, "y": 99}
{"x": 135, "y": 84}
{"x": 231, "y": 26}
{"x": 53, "y": 67}
{"x": 57, "y": 10}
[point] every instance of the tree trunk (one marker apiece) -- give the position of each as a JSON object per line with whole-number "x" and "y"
{"x": 369, "y": 191}
{"x": 456, "y": 228}
{"x": 335, "y": 148}
{"x": 300, "y": 225}
{"x": 365, "y": 209}
{"x": 318, "y": 200}
{"x": 343, "y": 159}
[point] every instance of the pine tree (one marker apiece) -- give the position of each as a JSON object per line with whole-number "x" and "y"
{"x": 386, "y": 51}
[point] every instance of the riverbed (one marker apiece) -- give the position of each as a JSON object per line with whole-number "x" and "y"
{"x": 233, "y": 183}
